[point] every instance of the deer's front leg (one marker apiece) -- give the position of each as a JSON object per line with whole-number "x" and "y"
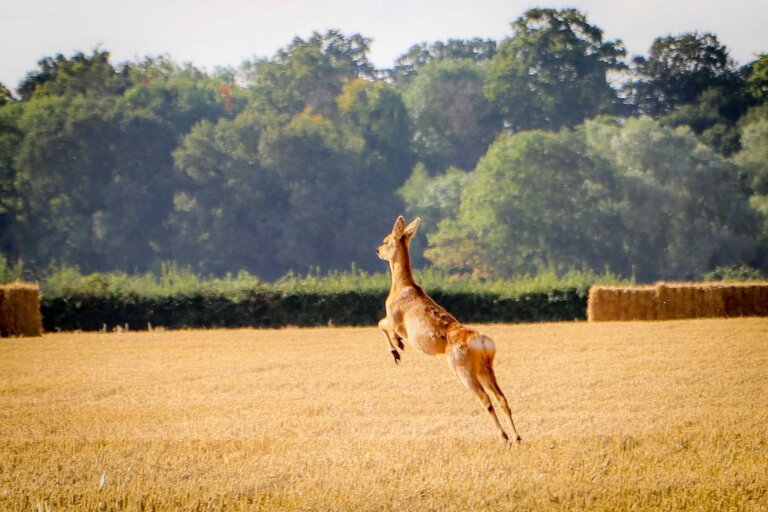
{"x": 389, "y": 332}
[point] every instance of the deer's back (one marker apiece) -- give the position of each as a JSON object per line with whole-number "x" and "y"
{"x": 424, "y": 323}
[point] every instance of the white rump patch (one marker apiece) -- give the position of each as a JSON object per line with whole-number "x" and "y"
{"x": 483, "y": 344}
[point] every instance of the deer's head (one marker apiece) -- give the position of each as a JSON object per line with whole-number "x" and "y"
{"x": 398, "y": 239}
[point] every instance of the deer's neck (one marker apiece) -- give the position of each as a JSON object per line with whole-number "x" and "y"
{"x": 402, "y": 274}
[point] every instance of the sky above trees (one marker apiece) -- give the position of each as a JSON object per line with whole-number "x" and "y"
{"x": 210, "y": 33}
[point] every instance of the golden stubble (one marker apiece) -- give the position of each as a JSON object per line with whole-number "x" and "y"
{"x": 630, "y": 415}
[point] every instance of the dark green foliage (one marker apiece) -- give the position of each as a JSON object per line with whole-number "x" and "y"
{"x": 453, "y": 121}
{"x": 178, "y": 298}
{"x": 552, "y": 306}
{"x": 637, "y": 199}
{"x": 553, "y": 71}
{"x": 678, "y": 70}
{"x": 734, "y": 273}
{"x": 5, "y": 95}
{"x": 756, "y": 76}
{"x": 80, "y": 74}
{"x": 93, "y": 312}
{"x": 409, "y": 65}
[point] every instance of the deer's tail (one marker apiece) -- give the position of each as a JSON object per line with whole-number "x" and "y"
{"x": 483, "y": 350}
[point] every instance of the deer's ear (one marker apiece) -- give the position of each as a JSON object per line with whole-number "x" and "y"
{"x": 399, "y": 227}
{"x": 411, "y": 229}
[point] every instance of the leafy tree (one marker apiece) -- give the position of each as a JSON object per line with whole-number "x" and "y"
{"x": 11, "y": 202}
{"x": 537, "y": 202}
{"x": 752, "y": 161}
{"x": 408, "y": 65}
{"x": 5, "y": 95}
{"x": 64, "y": 163}
{"x": 638, "y": 199}
{"x": 678, "y": 70}
{"x": 270, "y": 195}
{"x": 334, "y": 198}
{"x": 297, "y": 178}
{"x": 310, "y": 73}
{"x": 375, "y": 111}
{"x": 690, "y": 80}
{"x": 756, "y": 75}
{"x": 180, "y": 95}
{"x": 682, "y": 210}
{"x": 152, "y": 119}
{"x": 229, "y": 214}
{"x": 96, "y": 172}
{"x": 80, "y": 74}
{"x": 753, "y": 157}
{"x": 713, "y": 117}
{"x": 552, "y": 72}
{"x": 453, "y": 121}
{"x": 433, "y": 198}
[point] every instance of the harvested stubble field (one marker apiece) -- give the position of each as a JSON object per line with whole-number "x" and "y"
{"x": 620, "y": 416}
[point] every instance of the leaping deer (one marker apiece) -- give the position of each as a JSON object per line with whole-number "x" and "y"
{"x": 412, "y": 315}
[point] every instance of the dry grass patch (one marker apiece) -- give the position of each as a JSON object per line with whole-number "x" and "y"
{"x": 647, "y": 416}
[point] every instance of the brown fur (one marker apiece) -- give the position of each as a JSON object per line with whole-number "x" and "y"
{"x": 413, "y": 316}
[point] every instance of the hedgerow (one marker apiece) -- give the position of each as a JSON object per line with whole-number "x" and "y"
{"x": 177, "y": 298}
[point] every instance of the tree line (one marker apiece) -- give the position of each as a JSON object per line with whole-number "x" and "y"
{"x": 547, "y": 151}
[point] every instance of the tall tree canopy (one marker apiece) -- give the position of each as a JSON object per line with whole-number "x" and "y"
{"x": 553, "y": 71}
{"x": 678, "y": 70}
{"x": 453, "y": 121}
{"x": 302, "y": 159}
{"x": 408, "y": 65}
{"x": 5, "y": 95}
{"x": 310, "y": 73}
{"x": 682, "y": 210}
{"x": 525, "y": 212}
{"x": 691, "y": 80}
{"x": 79, "y": 74}
{"x": 300, "y": 185}
{"x": 753, "y": 164}
{"x": 637, "y": 199}
{"x": 756, "y": 75}
{"x": 94, "y": 167}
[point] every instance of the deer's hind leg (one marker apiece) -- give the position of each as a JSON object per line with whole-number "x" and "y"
{"x": 461, "y": 362}
{"x": 487, "y": 378}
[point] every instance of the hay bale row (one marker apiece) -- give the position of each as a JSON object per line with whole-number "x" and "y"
{"x": 746, "y": 299}
{"x": 674, "y": 301}
{"x": 607, "y": 303}
{"x": 20, "y": 310}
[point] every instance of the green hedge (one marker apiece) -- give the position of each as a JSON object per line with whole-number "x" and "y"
{"x": 92, "y": 312}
